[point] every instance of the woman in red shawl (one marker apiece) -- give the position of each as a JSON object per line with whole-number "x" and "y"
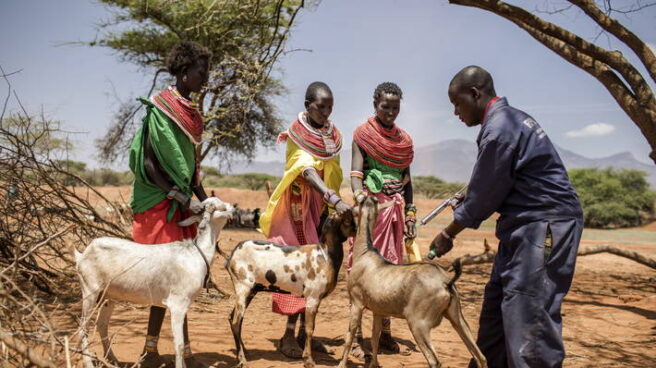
{"x": 165, "y": 166}
{"x": 380, "y": 167}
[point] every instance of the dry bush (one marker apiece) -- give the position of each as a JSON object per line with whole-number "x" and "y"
{"x": 41, "y": 220}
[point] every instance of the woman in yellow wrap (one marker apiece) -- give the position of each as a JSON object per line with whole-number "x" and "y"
{"x": 308, "y": 190}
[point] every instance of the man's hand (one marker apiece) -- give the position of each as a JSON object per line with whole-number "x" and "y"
{"x": 342, "y": 207}
{"x": 456, "y": 200}
{"x": 441, "y": 245}
{"x": 410, "y": 230}
{"x": 195, "y": 206}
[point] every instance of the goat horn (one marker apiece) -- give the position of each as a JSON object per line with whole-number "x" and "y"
{"x": 386, "y": 205}
{"x": 190, "y": 220}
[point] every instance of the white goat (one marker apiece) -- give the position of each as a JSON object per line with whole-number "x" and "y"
{"x": 309, "y": 271}
{"x": 167, "y": 275}
{"x": 421, "y": 293}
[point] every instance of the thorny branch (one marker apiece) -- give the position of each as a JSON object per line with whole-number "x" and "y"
{"x": 45, "y": 211}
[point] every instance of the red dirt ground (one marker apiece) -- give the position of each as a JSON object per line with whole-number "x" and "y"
{"x": 609, "y": 315}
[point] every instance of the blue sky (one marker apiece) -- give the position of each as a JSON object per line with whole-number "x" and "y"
{"x": 356, "y": 44}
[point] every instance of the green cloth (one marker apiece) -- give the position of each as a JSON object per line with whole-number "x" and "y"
{"x": 377, "y": 173}
{"x": 175, "y": 154}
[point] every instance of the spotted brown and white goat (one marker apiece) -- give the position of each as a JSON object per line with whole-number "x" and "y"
{"x": 420, "y": 293}
{"x": 309, "y": 271}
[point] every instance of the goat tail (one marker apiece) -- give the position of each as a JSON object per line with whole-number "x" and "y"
{"x": 457, "y": 270}
{"x": 221, "y": 252}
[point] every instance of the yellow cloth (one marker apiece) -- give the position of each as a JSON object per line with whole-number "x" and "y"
{"x": 297, "y": 160}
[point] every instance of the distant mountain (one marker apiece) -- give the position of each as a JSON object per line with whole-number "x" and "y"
{"x": 453, "y": 161}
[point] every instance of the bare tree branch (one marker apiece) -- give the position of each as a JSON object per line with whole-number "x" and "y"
{"x": 615, "y": 28}
{"x": 636, "y": 99}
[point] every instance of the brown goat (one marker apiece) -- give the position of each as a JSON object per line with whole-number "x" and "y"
{"x": 420, "y": 293}
{"x": 309, "y": 271}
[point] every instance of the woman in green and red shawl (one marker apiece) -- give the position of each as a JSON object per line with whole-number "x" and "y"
{"x": 163, "y": 158}
{"x": 380, "y": 167}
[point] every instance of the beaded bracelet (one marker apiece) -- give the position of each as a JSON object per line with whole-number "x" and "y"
{"x": 410, "y": 219}
{"x": 331, "y": 198}
{"x": 410, "y": 207}
{"x": 357, "y": 174}
{"x": 357, "y": 193}
{"x": 174, "y": 190}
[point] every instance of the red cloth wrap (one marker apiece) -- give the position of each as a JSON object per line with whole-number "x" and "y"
{"x": 151, "y": 227}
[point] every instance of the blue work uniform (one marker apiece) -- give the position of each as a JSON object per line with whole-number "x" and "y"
{"x": 519, "y": 174}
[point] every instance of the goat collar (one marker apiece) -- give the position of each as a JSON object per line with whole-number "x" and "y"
{"x": 207, "y": 265}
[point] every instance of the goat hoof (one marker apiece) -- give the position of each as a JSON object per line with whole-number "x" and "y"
{"x": 308, "y": 364}
{"x": 152, "y": 360}
{"x": 357, "y": 351}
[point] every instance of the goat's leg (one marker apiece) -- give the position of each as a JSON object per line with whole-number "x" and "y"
{"x": 103, "y": 324}
{"x": 375, "y": 339}
{"x": 89, "y": 300}
{"x": 459, "y": 323}
{"x": 356, "y": 317}
{"x": 178, "y": 312}
{"x": 243, "y": 297}
{"x": 311, "y": 308}
{"x": 421, "y": 329}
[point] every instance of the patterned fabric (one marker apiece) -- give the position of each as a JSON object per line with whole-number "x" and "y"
{"x": 182, "y": 111}
{"x": 323, "y": 143}
{"x": 382, "y": 178}
{"x": 278, "y": 206}
{"x": 391, "y": 147}
{"x": 287, "y": 304}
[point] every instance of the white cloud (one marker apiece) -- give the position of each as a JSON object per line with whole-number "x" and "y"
{"x": 591, "y": 130}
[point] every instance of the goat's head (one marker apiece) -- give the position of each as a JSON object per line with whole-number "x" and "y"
{"x": 368, "y": 211}
{"x": 341, "y": 226}
{"x": 216, "y": 213}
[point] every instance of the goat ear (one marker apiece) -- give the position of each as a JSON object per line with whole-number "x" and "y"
{"x": 385, "y": 205}
{"x": 190, "y": 220}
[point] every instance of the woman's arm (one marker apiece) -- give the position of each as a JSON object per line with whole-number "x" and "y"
{"x": 410, "y": 209}
{"x": 312, "y": 176}
{"x": 357, "y": 165}
{"x": 158, "y": 177}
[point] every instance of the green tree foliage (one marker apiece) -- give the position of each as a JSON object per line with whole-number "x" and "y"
{"x": 246, "y": 38}
{"x": 95, "y": 177}
{"x": 433, "y": 187}
{"x": 210, "y": 171}
{"x": 614, "y": 198}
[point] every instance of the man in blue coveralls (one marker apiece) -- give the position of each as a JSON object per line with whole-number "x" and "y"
{"x": 518, "y": 174}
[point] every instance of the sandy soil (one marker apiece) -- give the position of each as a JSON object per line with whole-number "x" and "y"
{"x": 609, "y": 314}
